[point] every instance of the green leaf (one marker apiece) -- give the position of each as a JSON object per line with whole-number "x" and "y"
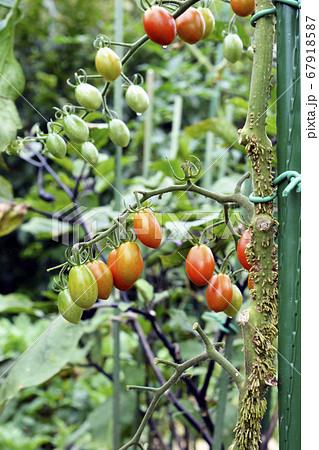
{"x": 145, "y": 289}
{"x": 45, "y": 358}
{"x": 16, "y": 303}
{"x": 11, "y": 79}
{"x": 219, "y": 126}
{"x": 44, "y": 228}
{"x": 178, "y": 257}
{"x": 6, "y": 191}
{"x": 7, "y": 3}
{"x": 9, "y": 122}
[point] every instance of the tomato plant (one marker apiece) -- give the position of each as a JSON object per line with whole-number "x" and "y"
{"x": 56, "y": 145}
{"x": 241, "y": 249}
{"x": 67, "y": 308}
{"x": 129, "y": 262}
{"x": 75, "y": 128}
{"x": 147, "y": 228}
{"x": 219, "y": 292}
{"x": 82, "y": 286}
{"x": 242, "y": 7}
{"x": 159, "y": 25}
{"x": 119, "y": 133}
{"x": 209, "y": 20}
{"x": 232, "y": 48}
{"x": 200, "y": 264}
{"x": 103, "y": 276}
{"x": 137, "y": 99}
{"x": 117, "y": 282}
{"x": 236, "y": 302}
{"x": 190, "y": 26}
{"x": 89, "y": 152}
{"x": 108, "y": 64}
{"x": 88, "y": 96}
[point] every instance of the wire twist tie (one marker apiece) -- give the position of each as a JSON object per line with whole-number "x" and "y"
{"x": 294, "y": 179}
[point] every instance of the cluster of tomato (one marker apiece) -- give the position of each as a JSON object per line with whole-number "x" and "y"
{"x": 95, "y": 279}
{"x": 191, "y": 26}
{"x": 88, "y": 282}
{"x": 109, "y": 66}
{"x": 221, "y": 294}
{"x": 194, "y": 25}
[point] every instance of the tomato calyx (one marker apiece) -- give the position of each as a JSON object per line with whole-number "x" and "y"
{"x": 191, "y": 169}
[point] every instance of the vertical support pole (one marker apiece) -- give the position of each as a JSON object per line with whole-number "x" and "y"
{"x": 118, "y": 101}
{"x": 222, "y": 398}
{"x": 150, "y": 75}
{"x": 176, "y": 126}
{"x": 118, "y": 106}
{"x": 210, "y": 144}
{"x": 289, "y": 212}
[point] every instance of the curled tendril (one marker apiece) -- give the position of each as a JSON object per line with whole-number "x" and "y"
{"x": 205, "y": 3}
{"x": 51, "y": 125}
{"x": 101, "y": 41}
{"x": 191, "y": 169}
{"x": 108, "y": 115}
{"x": 173, "y": 172}
{"x": 80, "y": 77}
{"x": 141, "y": 5}
{"x": 137, "y": 79}
{"x": 76, "y": 256}
{"x": 60, "y": 113}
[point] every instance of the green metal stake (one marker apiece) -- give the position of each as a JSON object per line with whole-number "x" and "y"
{"x": 176, "y": 126}
{"x": 150, "y": 74}
{"x": 118, "y": 106}
{"x": 210, "y": 144}
{"x": 289, "y": 156}
{"x": 222, "y": 398}
{"x": 118, "y": 101}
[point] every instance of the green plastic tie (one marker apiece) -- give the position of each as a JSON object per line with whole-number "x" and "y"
{"x": 265, "y": 12}
{"x": 260, "y": 14}
{"x": 294, "y": 179}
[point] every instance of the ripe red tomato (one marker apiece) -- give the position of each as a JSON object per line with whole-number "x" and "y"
{"x": 129, "y": 262}
{"x": 82, "y": 286}
{"x": 147, "y": 228}
{"x": 190, "y": 26}
{"x": 241, "y": 247}
{"x": 200, "y": 264}
{"x": 242, "y": 7}
{"x": 219, "y": 292}
{"x": 117, "y": 282}
{"x": 159, "y": 25}
{"x": 236, "y": 302}
{"x": 103, "y": 276}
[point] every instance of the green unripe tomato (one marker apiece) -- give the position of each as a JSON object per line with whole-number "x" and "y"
{"x": 67, "y": 308}
{"x": 90, "y": 153}
{"x": 232, "y": 48}
{"x": 137, "y": 99}
{"x": 82, "y": 286}
{"x": 209, "y": 21}
{"x": 56, "y": 145}
{"x": 119, "y": 133}
{"x": 250, "y": 52}
{"x": 75, "y": 128}
{"x": 88, "y": 96}
{"x": 235, "y": 304}
{"x": 108, "y": 64}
